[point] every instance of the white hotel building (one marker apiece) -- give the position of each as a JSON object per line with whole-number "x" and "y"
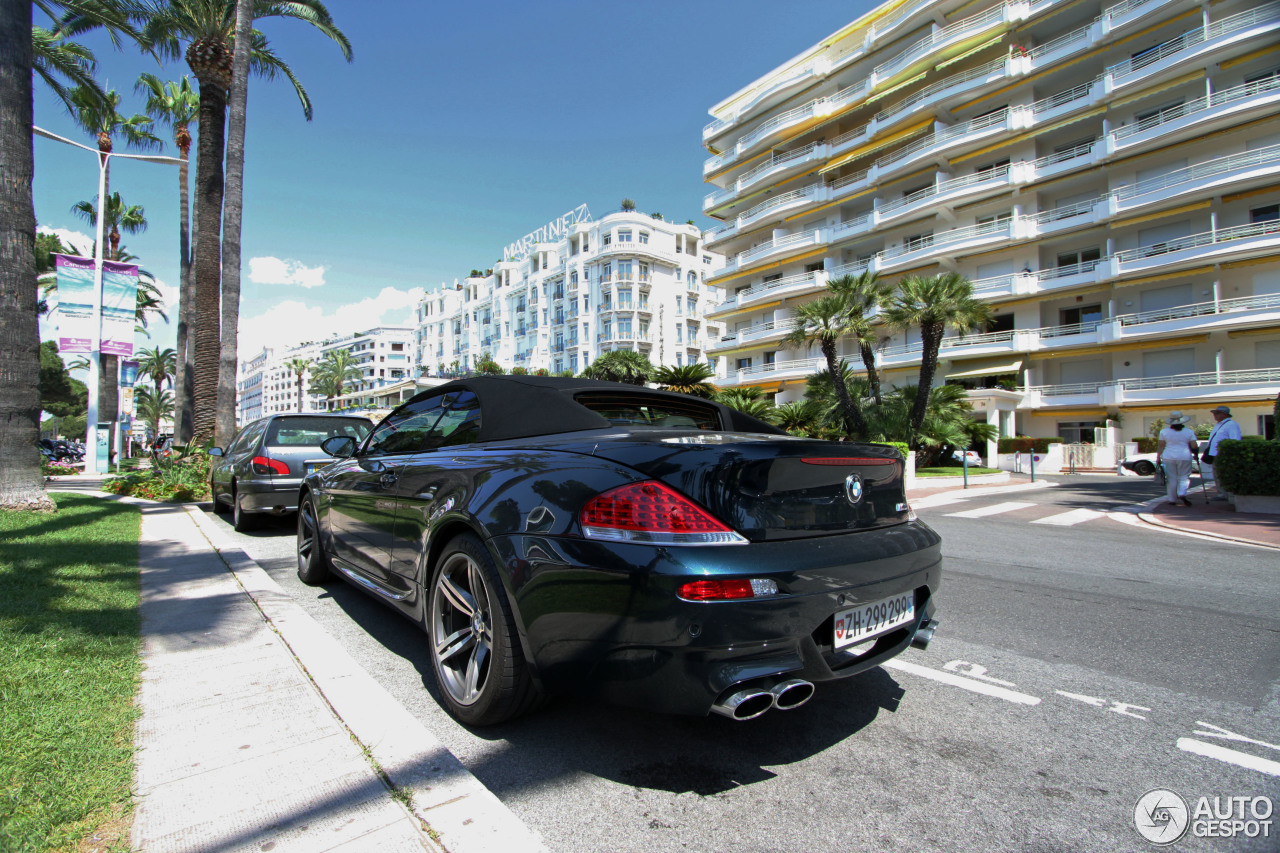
{"x": 574, "y": 290}
{"x": 1107, "y": 174}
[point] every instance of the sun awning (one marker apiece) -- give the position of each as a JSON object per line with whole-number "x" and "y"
{"x": 988, "y": 369}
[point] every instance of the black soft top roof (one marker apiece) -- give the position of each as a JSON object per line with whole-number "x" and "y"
{"x": 525, "y": 406}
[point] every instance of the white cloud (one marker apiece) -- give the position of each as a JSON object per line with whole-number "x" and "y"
{"x": 292, "y": 322}
{"x": 75, "y": 241}
{"x": 269, "y": 270}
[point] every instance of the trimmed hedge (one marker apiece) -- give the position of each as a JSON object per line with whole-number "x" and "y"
{"x": 1249, "y": 467}
{"x": 1146, "y": 445}
{"x": 1023, "y": 444}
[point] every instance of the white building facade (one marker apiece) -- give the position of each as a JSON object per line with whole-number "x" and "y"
{"x": 1106, "y": 173}
{"x": 562, "y": 297}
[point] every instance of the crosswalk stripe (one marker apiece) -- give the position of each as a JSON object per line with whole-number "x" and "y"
{"x": 994, "y": 509}
{"x": 1066, "y": 519}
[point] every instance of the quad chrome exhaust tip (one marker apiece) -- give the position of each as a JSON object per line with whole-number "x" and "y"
{"x": 920, "y": 640}
{"x": 753, "y": 701}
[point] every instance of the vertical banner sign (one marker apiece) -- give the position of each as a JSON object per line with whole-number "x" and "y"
{"x": 128, "y": 374}
{"x": 119, "y": 307}
{"x": 75, "y": 305}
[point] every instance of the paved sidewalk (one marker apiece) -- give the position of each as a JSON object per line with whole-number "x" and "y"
{"x": 260, "y": 732}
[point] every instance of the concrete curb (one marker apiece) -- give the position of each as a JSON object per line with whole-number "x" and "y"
{"x": 460, "y": 812}
{"x": 1150, "y": 518}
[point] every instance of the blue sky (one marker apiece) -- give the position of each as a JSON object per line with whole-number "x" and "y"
{"x": 456, "y": 129}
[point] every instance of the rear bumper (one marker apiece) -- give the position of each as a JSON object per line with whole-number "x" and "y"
{"x": 604, "y": 620}
{"x": 278, "y": 497}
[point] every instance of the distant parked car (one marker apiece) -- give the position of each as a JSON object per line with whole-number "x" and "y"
{"x": 262, "y": 469}
{"x": 1142, "y": 464}
{"x": 974, "y": 459}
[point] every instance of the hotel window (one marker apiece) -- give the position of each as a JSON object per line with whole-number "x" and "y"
{"x": 624, "y": 297}
{"x": 917, "y": 241}
{"x": 573, "y": 277}
{"x": 743, "y": 364}
{"x": 644, "y": 328}
{"x": 769, "y": 357}
{"x": 692, "y": 279}
{"x": 624, "y": 327}
{"x": 679, "y": 334}
{"x": 679, "y": 359}
{"x": 644, "y": 272}
{"x": 996, "y": 221}
{"x": 1082, "y": 314}
{"x": 644, "y": 236}
{"x": 608, "y": 238}
{"x": 625, "y": 270}
{"x": 606, "y": 272}
{"x": 679, "y": 305}
{"x": 605, "y": 329}
{"x": 644, "y": 301}
{"x": 1079, "y": 257}
{"x": 624, "y": 235}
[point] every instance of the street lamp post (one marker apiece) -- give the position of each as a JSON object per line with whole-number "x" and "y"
{"x": 93, "y": 464}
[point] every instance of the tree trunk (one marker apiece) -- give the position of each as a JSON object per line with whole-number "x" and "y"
{"x": 207, "y": 266}
{"x": 225, "y": 429}
{"x": 873, "y": 376}
{"x": 931, "y": 338}
{"x": 855, "y": 425}
{"x": 182, "y": 372}
{"x": 21, "y": 483}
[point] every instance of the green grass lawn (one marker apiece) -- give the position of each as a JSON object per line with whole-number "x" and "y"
{"x": 954, "y": 472}
{"x": 69, "y": 670}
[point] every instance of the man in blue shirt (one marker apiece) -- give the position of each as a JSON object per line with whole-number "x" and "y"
{"x": 1225, "y": 428}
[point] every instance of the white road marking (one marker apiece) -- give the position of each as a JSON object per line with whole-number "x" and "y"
{"x": 965, "y": 683}
{"x": 973, "y": 670}
{"x": 1127, "y": 710}
{"x": 937, "y": 500}
{"x": 993, "y": 509}
{"x": 1080, "y": 697}
{"x": 1067, "y": 519}
{"x": 1230, "y": 756}
{"x": 1219, "y": 731}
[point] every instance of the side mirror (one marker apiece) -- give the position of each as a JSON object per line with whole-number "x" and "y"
{"x": 216, "y": 451}
{"x": 339, "y": 446}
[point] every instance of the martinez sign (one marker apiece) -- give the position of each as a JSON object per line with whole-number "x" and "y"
{"x": 552, "y": 231}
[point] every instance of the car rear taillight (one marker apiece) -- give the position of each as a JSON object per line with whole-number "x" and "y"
{"x": 266, "y": 465}
{"x": 654, "y": 513}
{"x": 727, "y": 590}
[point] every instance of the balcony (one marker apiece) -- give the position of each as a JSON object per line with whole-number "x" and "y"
{"x": 792, "y": 285}
{"x": 778, "y": 371}
{"x": 777, "y": 165}
{"x": 1200, "y": 316}
{"x": 773, "y": 249}
{"x": 758, "y": 334}
{"x": 1211, "y": 175}
{"x": 966, "y": 134}
{"x": 990, "y": 72}
{"x": 947, "y": 244}
{"x": 938, "y": 43}
{"x": 1220, "y": 245}
{"x": 1187, "y": 389}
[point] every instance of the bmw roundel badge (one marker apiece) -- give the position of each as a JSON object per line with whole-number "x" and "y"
{"x": 853, "y": 489}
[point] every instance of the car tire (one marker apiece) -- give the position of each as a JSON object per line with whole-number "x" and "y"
{"x": 313, "y": 563}
{"x": 242, "y": 521}
{"x": 475, "y": 650}
{"x": 1144, "y": 468}
{"x": 219, "y": 507}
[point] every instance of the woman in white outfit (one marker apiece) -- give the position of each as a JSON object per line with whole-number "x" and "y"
{"x": 1176, "y": 449}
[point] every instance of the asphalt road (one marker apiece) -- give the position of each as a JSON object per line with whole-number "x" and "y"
{"x": 1084, "y": 659}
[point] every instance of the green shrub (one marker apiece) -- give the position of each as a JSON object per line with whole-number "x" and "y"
{"x": 1249, "y": 467}
{"x": 1025, "y": 444}
{"x": 1146, "y": 445}
{"x": 185, "y": 479}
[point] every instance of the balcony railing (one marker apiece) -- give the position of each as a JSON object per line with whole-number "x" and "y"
{"x": 923, "y": 95}
{"x": 800, "y": 279}
{"x": 1225, "y": 377}
{"x": 1201, "y": 309}
{"x": 1207, "y": 238}
{"x": 1259, "y": 157}
{"x": 1082, "y": 150}
{"x": 778, "y": 243}
{"x": 1080, "y": 35}
{"x": 938, "y": 137}
{"x": 925, "y": 45}
{"x": 1191, "y": 38}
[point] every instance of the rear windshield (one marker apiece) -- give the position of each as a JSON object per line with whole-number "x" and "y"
{"x": 660, "y": 412}
{"x": 309, "y": 432}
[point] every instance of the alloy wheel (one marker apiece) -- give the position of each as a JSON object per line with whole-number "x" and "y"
{"x": 462, "y": 629}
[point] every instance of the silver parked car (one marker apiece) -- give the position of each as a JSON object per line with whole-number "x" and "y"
{"x": 261, "y": 471}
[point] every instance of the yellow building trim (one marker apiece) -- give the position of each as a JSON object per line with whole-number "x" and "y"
{"x": 1005, "y": 143}
{"x": 722, "y": 282}
{"x": 1248, "y": 57}
{"x": 717, "y": 173}
{"x": 1057, "y": 413}
{"x": 1162, "y": 214}
{"x": 976, "y": 50}
{"x": 887, "y": 92}
{"x": 1252, "y": 262}
{"x": 1168, "y": 84}
{"x": 1251, "y": 333}
{"x": 876, "y": 145}
{"x": 1168, "y": 276}
{"x": 1226, "y": 199}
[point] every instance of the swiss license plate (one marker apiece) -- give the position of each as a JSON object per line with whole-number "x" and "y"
{"x": 874, "y": 618}
{"x": 314, "y": 466}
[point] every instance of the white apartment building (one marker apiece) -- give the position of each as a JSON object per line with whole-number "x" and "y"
{"x": 384, "y": 355}
{"x": 1106, "y": 173}
{"x": 575, "y": 289}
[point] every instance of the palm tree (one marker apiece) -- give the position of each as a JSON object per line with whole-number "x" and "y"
{"x": 749, "y": 401}
{"x": 104, "y": 122}
{"x": 299, "y": 367}
{"x": 207, "y": 28}
{"x": 825, "y": 321}
{"x": 336, "y": 368}
{"x": 153, "y": 406}
{"x": 178, "y": 105}
{"x": 131, "y": 217}
{"x": 934, "y": 304}
{"x": 622, "y": 365}
{"x": 798, "y": 417}
{"x": 689, "y": 379}
{"x": 25, "y": 52}
{"x": 159, "y": 364}
{"x": 867, "y": 295}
